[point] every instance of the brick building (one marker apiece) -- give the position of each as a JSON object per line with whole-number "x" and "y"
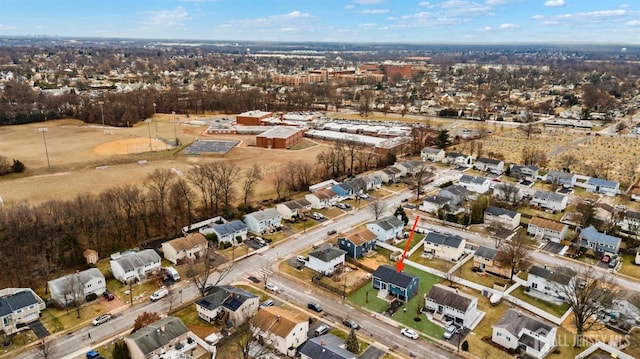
{"x": 252, "y": 118}
{"x": 280, "y": 137}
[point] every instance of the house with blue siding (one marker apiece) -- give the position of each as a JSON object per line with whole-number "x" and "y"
{"x": 389, "y": 282}
{"x": 345, "y": 190}
{"x": 356, "y": 244}
{"x": 594, "y": 241}
{"x": 228, "y": 232}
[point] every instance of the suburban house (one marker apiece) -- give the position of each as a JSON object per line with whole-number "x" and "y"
{"x": 501, "y": 218}
{"x": 457, "y": 159}
{"x": 599, "y": 185}
{"x": 447, "y": 247}
{"x": 228, "y": 232}
{"x": 357, "y": 243}
{"x": 384, "y": 177}
{"x": 630, "y": 221}
{"x": 75, "y": 287}
{"x": 549, "y": 281}
{"x": 135, "y": 266}
{"x": 166, "y": 338}
{"x": 228, "y": 304}
{"x": 386, "y": 228}
{"x": 563, "y": 179}
{"x": 432, "y": 154}
{"x": 635, "y": 194}
{"x": 392, "y": 173}
{"x": 324, "y": 260}
{"x": 432, "y": 204}
{"x": 202, "y": 225}
{"x": 260, "y": 222}
{"x": 322, "y": 198}
{"x": 507, "y": 192}
{"x": 449, "y": 303}
{"x": 410, "y": 167}
{"x": 527, "y": 173}
{"x": 326, "y": 346}
{"x": 280, "y": 329}
{"x": 293, "y": 209}
{"x": 358, "y": 184}
{"x": 489, "y": 165}
{"x": 19, "y": 306}
{"x": 549, "y": 200}
{"x": 542, "y": 228}
{"x": 322, "y": 185}
{"x": 518, "y": 330}
{"x": 370, "y": 182}
{"x": 345, "y": 190}
{"x": 484, "y": 260}
{"x": 456, "y": 193}
{"x": 597, "y": 242}
{"x": 389, "y": 282}
{"x": 190, "y": 247}
{"x": 475, "y": 184}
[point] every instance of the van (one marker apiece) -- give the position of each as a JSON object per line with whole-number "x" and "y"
{"x": 321, "y": 330}
{"x": 172, "y": 273}
{"x": 158, "y": 294}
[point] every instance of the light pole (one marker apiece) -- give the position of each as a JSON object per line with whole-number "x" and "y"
{"x": 175, "y": 133}
{"x": 148, "y": 122}
{"x": 154, "y": 115}
{"x": 101, "y": 112}
{"x": 44, "y": 130}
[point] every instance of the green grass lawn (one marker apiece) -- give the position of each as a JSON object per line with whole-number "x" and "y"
{"x": 629, "y": 267}
{"x": 555, "y": 309}
{"x": 367, "y": 297}
{"x": 466, "y": 273}
{"x": 424, "y": 326}
{"x": 417, "y": 237}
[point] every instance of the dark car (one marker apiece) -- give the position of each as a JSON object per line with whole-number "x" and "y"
{"x": 349, "y": 323}
{"x": 108, "y": 295}
{"x": 315, "y": 306}
{"x": 331, "y": 232}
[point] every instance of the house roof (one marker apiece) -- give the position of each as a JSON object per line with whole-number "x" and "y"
{"x": 497, "y": 211}
{"x": 445, "y": 240}
{"x": 227, "y": 296}
{"x": 85, "y": 276}
{"x": 388, "y": 223}
{"x": 430, "y": 150}
{"x": 18, "y": 300}
{"x": 389, "y": 274}
{"x": 473, "y": 179}
{"x": 450, "y": 297}
{"x": 361, "y": 237}
{"x": 277, "y": 320}
{"x": 489, "y": 161}
{"x": 455, "y": 190}
{"x": 591, "y": 234}
{"x": 549, "y": 196}
{"x": 324, "y": 193}
{"x": 264, "y": 215}
{"x": 519, "y": 168}
{"x": 561, "y": 276}
{"x": 437, "y": 200}
{"x": 297, "y": 204}
{"x": 561, "y": 175}
{"x": 455, "y": 155}
{"x": 158, "y": 334}
{"x": 547, "y": 224}
{"x": 514, "y": 321}
{"x": 486, "y": 252}
{"x": 326, "y": 346}
{"x": 602, "y": 182}
{"x": 230, "y": 227}
{"x": 187, "y": 242}
{"x": 327, "y": 254}
{"x": 134, "y": 260}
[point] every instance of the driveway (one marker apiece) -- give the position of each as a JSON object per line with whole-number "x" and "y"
{"x": 38, "y": 329}
{"x": 372, "y": 353}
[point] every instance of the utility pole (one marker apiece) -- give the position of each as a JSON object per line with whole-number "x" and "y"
{"x": 148, "y": 122}
{"x": 101, "y": 113}
{"x": 44, "y": 130}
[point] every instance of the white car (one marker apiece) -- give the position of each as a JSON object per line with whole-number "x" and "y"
{"x": 103, "y": 318}
{"x": 409, "y": 333}
{"x": 272, "y": 287}
{"x": 451, "y": 330}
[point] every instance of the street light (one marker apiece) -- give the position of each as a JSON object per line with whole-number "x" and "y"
{"x": 175, "y": 133}
{"x": 154, "y": 115}
{"x": 148, "y": 122}
{"x": 101, "y": 112}
{"x": 44, "y": 130}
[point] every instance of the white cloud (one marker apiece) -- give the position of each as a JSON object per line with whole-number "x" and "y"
{"x": 425, "y": 4}
{"x": 374, "y": 11}
{"x": 500, "y": 2}
{"x": 554, "y": 3}
{"x": 4, "y": 27}
{"x": 537, "y": 17}
{"x": 633, "y": 23}
{"x": 166, "y": 18}
{"x": 367, "y": 26}
{"x": 508, "y": 26}
{"x": 349, "y": 7}
{"x": 368, "y": 2}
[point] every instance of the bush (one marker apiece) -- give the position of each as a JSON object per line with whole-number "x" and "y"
{"x": 18, "y": 167}
{"x": 91, "y": 297}
{"x": 465, "y": 346}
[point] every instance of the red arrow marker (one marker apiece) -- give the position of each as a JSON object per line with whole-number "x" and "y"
{"x": 400, "y": 264}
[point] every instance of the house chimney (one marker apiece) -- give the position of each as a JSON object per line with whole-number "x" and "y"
{"x": 322, "y": 342}
{"x": 162, "y": 328}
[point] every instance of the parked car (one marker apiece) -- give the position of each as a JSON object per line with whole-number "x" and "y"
{"x": 101, "y": 319}
{"x": 363, "y": 195}
{"x": 450, "y": 331}
{"x": 261, "y": 241}
{"x": 315, "y": 306}
{"x": 350, "y": 323}
{"x": 331, "y": 232}
{"x": 613, "y": 263}
{"x": 409, "y": 333}
{"x": 108, "y": 295}
{"x": 341, "y": 205}
{"x": 317, "y": 216}
{"x": 301, "y": 259}
{"x": 606, "y": 258}
{"x": 267, "y": 303}
{"x": 159, "y": 294}
{"x": 321, "y": 330}
{"x": 272, "y": 287}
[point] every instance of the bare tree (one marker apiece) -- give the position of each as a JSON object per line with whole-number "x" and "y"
{"x": 246, "y": 341}
{"x": 421, "y": 178}
{"x": 587, "y": 295}
{"x": 159, "y": 183}
{"x": 46, "y": 348}
{"x": 209, "y": 272}
{"x": 378, "y": 207}
{"x": 514, "y": 253}
{"x": 252, "y": 176}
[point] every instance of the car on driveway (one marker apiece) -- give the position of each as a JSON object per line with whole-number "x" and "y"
{"x": 315, "y": 307}
{"x": 450, "y": 331}
{"x": 409, "y": 333}
{"x": 272, "y": 287}
{"x": 101, "y": 319}
{"x": 606, "y": 258}
{"x": 350, "y": 323}
{"x": 108, "y": 295}
{"x": 267, "y": 303}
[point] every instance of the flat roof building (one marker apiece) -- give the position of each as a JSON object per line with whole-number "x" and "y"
{"x": 280, "y": 137}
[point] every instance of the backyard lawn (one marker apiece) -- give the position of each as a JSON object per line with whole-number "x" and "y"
{"x": 367, "y": 297}
{"x": 466, "y": 273}
{"x": 629, "y": 267}
{"x": 555, "y": 309}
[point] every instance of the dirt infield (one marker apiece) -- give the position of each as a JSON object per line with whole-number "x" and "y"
{"x": 130, "y": 146}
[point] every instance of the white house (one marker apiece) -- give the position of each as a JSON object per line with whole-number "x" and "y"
{"x": 432, "y": 204}
{"x": 280, "y": 329}
{"x": 432, "y": 154}
{"x": 449, "y": 302}
{"x": 228, "y": 303}
{"x": 322, "y": 185}
{"x": 228, "y": 232}
{"x": 527, "y": 173}
{"x": 560, "y": 178}
{"x": 19, "y": 306}
{"x": 516, "y": 329}
{"x": 386, "y": 228}
{"x": 324, "y": 260}
{"x": 459, "y": 159}
{"x": 326, "y": 346}
{"x": 606, "y": 187}
{"x": 507, "y": 192}
{"x": 322, "y": 198}
{"x": 75, "y": 287}
{"x": 166, "y": 338}
{"x": 501, "y": 218}
{"x": 134, "y": 265}
{"x": 293, "y": 208}
{"x": 260, "y": 222}
{"x": 489, "y": 165}
{"x": 549, "y": 200}
{"x": 192, "y": 246}
{"x": 475, "y": 184}
{"x": 543, "y": 228}
{"x": 447, "y": 247}
{"x": 550, "y": 281}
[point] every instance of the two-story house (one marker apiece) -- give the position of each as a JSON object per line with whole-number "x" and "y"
{"x": 475, "y": 184}
{"x": 190, "y": 247}
{"x": 18, "y": 307}
{"x": 542, "y": 228}
{"x": 389, "y": 282}
{"x": 489, "y": 165}
{"x": 564, "y": 179}
{"x": 265, "y": 221}
{"x": 458, "y": 159}
{"x": 501, "y": 218}
{"x": 228, "y": 303}
{"x": 485, "y": 260}
{"x": 293, "y": 209}
{"x": 527, "y": 173}
{"x": 598, "y": 242}
{"x": 456, "y": 193}
{"x": 549, "y": 200}
{"x": 358, "y": 243}
{"x": 443, "y": 246}
{"x": 280, "y": 329}
{"x": 550, "y": 281}
{"x": 165, "y": 338}
{"x": 326, "y": 346}
{"x": 128, "y": 266}
{"x": 433, "y": 204}
{"x": 386, "y": 228}
{"x": 345, "y": 190}
{"x": 322, "y": 198}
{"x": 230, "y": 232}
{"x": 519, "y": 330}
{"x": 75, "y": 287}
{"x": 606, "y": 187}
{"x": 324, "y": 260}
{"x": 450, "y": 303}
{"x": 432, "y": 154}
{"x": 507, "y": 192}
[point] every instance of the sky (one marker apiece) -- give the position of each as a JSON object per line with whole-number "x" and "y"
{"x": 351, "y": 21}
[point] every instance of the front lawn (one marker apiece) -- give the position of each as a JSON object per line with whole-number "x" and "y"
{"x": 424, "y": 326}
{"x": 367, "y": 297}
{"x": 628, "y": 266}
{"x": 555, "y": 309}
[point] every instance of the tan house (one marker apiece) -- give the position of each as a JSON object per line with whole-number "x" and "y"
{"x": 543, "y": 228}
{"x": 484, "y": 260}
{"x": 166, "y": 338}
{"x": 280, "y": 329}
{"x": 192, "y": 246}
{"x": 501, "y": 218}
{"x": 443, "y": 246}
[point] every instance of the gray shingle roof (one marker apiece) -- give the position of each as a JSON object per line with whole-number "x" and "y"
{"x": 486, "y": 252}
{"x": 514, "y": 321}
{"x": 490, "y": 161}
{"x": 561, "y": 276}
{"x": 472, "y": 179}
{"x": 389, "y": 274}
{"x": 19, "y": 300}
{"x": 230, "y": 227}
{"x": 550, "y": 196}
{"x": 448, "y": 296}
{"x": 227, "y": 296}
{"x": 497, "y": 211}
{"x": 445, "y": 240}
{"x": 264, "y": 215}
{"x": 388, "y": 223}
{"x": 137, "y": 259}
{"x": 158, "y": 334}
{"x": 327, "y": 254}
{"x": 326, "y": 347}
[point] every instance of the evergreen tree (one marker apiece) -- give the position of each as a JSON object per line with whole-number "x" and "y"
{"x": 120, "y": 351}
{"x": 403, "y": 215}
{"x": 18, "y": 166}
{"x": 444, "y": 140}
{"x": 352, "y": 343}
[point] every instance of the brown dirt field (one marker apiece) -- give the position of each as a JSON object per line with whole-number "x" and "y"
{"x": 76, "y": 150}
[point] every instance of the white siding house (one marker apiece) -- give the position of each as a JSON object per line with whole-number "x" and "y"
{"x": 260, "y": 222}
{"x": 76, "y": 286}
{"x": 475, "y": 184}
{"x": 516, "y": 329}
{"x": 386, "y": 228}
{"x": 134, "y": 265}
{"x": 549, "y": 200}
{"x": 432, "y": 154}
{"x": 324, "y": 260}
{"x": 449, "y": 302}
{"x": 502, "y": 218}
{"x": 192, "y": 246}
{"x": 281, "y": 328}
{"x": 543, "y": 228}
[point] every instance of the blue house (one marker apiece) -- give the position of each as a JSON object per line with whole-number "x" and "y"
{"x": 594, "y": 241}
{"x": 345, "y": 190}
{"x": 390, "y": 282}
{"x": 358, "y": 243}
